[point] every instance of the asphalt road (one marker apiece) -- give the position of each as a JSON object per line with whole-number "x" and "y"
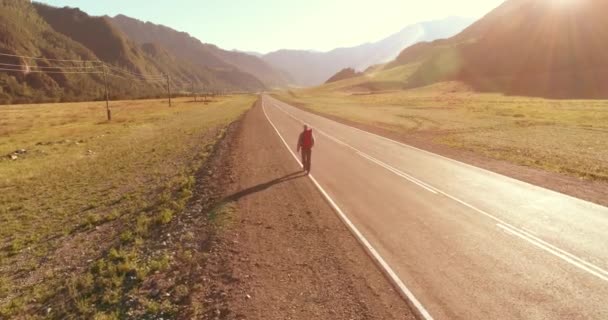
{"x": 466, "y": 243}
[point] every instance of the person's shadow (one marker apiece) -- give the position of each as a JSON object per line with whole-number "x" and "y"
{"x": 263, "y": 186}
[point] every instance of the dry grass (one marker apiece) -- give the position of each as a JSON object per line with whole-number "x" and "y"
{"x": 81, "y": 175}
{"x": 566, "y": 136}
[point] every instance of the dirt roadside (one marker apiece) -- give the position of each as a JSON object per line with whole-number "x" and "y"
{"x": 593, "y": 191}
{"x": 284, "y": 254}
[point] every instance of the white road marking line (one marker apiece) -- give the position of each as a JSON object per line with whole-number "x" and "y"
{"x": 567, "y": 257}
{"x": 368, "y": 157}
{"x": 571, "y": 256}
{"x": 403, "y": 290}
{"x": 587, "y": 203}
{"x": 397, "y": 172}
{"x": 560, "y": 253}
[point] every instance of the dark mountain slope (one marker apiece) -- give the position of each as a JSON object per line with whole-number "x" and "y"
{"x": 186, "y": 47}
{"x": 37, "y": 30}
{"x": 544, "y": 48}
{"x": 95, "y": 33}
{"x": 25, "y": 33}
{"x": 113, "y": 46}
{"x": 344, "y": 74}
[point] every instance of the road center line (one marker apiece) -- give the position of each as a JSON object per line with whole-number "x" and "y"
{"x": 549, "y": 248}
{"x": 397, "y": 172}
{"x": 387, "y": 270}
{"x": 587, "y": 203}
{"x": 368, "y": 157}
{"x": 552, "y": 249}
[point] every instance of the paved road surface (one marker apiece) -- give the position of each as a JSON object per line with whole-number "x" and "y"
{"x": 467, "y": 243}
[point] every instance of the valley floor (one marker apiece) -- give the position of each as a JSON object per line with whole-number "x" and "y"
{"x": 88, "y": 207}
{"x": 189, "y": 212}
{"x": 557, "y": 144}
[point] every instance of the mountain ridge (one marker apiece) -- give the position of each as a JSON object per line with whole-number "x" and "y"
{"x": 47, "y": 33}
{"x": 187, "y": 47}
{"x": 315, "y": 67}
{"x": 560, "y": 51}
{"x": 343, "y": 74}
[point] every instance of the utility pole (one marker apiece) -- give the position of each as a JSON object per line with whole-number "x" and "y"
{"x": 105, "y": 80}
{"x": 194, "y": 93}
{"x": 168, "y": 88}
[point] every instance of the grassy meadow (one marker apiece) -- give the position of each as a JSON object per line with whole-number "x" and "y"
{"x": 80, "y": 195}
{"x": 565, "y": 136}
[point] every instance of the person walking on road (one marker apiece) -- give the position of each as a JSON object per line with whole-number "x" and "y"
{"x": 305, "y": 143}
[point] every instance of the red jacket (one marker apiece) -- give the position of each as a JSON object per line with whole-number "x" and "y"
{"x": 306, "y": 140}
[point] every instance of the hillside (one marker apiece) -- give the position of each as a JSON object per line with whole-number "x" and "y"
{"x": 186, "y": 47}
{"x": 343, "y": 75}
{"x": 113, "y": 46}
{"x": 312, "y": 68}
{"x": 25, "y": 32}
{"x": 554, "y": 49}
{"x": 37, "y": 30}
{"x": 98, "y": 35}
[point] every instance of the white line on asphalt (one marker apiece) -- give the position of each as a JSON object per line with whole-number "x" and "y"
{"x": 368, "y": 157}
{"x": 591, "y": 266}
{"x": 560, "y": 253}
{"x": 397, "y": 172}
{"x": 549, "y": 248}
{"x": 587, "y": 203}
{"x": 404, "y": 291}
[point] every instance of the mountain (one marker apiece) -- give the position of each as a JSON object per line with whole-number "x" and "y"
{"x": 312, "y": 68}
{"x": 554, "y": 49}
{"x": 186, "y": 47}
{"x": 98, "y": 35}
{"x": 343, "y": 75}
{"x": 58, "y": 34}
{"x": 253, "y": 53}
{"x": 111, "y": 45}
{"x": 25, "y": 32}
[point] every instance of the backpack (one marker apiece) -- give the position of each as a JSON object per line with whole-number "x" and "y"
{"x": 307, "y": 139}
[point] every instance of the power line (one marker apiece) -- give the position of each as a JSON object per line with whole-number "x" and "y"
{"x": 20, "y": 68}
{"x": 42, "y": 58}
{"x": 27, "y": 69}
{"x": 143, "y": 76}
{"x": 117, "y": 76}
{"x": 135, "y": 79}
{"x": 43, "y": 71}
{"x": 46, "y": 67}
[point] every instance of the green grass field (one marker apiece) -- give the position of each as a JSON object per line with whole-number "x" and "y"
{"x": 81, "y": 176}
{"x": 565, "y": 136}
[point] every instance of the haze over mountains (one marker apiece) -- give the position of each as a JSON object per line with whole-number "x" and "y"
{"x": 314, "y": 68}
{"x": 129, "y": 46}
{"x": 540, "y": 48}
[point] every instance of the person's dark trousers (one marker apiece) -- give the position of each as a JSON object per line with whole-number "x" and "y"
{"x": 306, "y": 158}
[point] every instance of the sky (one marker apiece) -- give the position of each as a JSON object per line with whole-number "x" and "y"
{"x": 267, "y": 25}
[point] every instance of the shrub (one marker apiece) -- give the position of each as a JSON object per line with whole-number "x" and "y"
{"x": 164, "y": 216}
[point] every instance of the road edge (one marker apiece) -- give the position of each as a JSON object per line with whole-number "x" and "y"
{"x": 415, "y": 305}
